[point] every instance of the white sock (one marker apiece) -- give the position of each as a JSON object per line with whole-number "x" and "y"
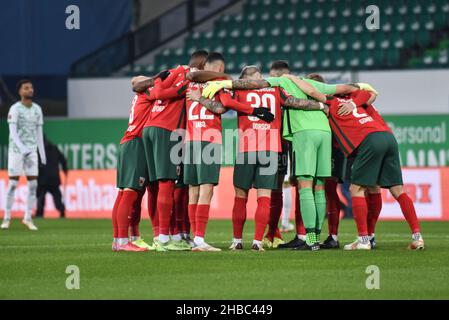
{"x": 301, "y": 237}
{"x": 364, "y": 239}
{"x": 335, "y": 237}
{"x": 114, "y": 240}
{"x": 371, "y": 237}
{"x": 176, "y": 237}
{"x": 122, "y": 241}
{"x": 237, "y": 240}
{"x": 164, "y": 238}
{"x": 31, "y": 199}
{"x": 257, "y": 242}
{"x": 134, "y": 238}
{"x": 198, "y": 240}
{"x": 416, "y": 236}
{"x": 10, "y": 198}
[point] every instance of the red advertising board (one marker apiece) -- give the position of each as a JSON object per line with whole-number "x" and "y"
{"x": 91, "y": 194}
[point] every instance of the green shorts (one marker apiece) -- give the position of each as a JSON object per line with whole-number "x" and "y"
{"x": 257, "y": 170}
{"x": 376, "y": 162}
{"x": 161, "y": 163}
{"x": 131, "y": 168}
{"x": 313, "y": 152}
{"x": 202, "y": 163}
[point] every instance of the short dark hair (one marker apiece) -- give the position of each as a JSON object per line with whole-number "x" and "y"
{"x": 215, "y": 56}
{"x": 249, "y": 71}
{"x": 199, "y": 54}
{"x": 280, "y": 65}
{"x": 21, "y": 83}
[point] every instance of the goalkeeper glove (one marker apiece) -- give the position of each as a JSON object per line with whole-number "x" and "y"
{"x": 367, "y": 87}
{"x": 214, "y": 86}
{"x": 263, "y": 114}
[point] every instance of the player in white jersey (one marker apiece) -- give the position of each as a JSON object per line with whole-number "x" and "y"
{"x": 25, "y": 121}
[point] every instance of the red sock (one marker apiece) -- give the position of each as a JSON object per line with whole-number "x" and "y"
{"x": 238, "y": 216}
{"x": 124, "y": 212}
{"x": 186, "y": 224}
{"x": 165, "y": 205}
{"x": 201, "y": 219}
{"x": 178, "y": 210}
{"x": 114, "y": 213}
{"x": 374, "y": 203}
{"x": 360, "y": 212}
{"x": 135, "y": 216}
{"x": 275, "y": 214}
{"x": 192, "y": 217}
{"x": 408, "y": 210}
{"x": 300, "y": 229}
{"x": 173, "y": 227}
{"x": 152, "y": 207}
{"x": 261, "y": 217}
{"x": 333, "y": 206}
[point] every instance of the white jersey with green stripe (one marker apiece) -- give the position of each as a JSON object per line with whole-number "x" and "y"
{"x": 27, "y": 120}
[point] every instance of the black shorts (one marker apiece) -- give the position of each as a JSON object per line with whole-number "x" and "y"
{"x": 283, "y": 158}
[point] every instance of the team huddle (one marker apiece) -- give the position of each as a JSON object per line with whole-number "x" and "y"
{"x": 172, "y": 149}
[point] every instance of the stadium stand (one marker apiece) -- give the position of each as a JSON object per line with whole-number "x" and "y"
{"x": 324, "y": 35}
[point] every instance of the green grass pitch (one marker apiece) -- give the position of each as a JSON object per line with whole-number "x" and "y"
{"x": 33, "y": 265}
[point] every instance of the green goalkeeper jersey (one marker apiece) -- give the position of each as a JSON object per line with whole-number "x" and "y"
{"x": 298, "y": 120}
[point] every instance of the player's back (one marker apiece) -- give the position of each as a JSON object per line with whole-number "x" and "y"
{"x": 350, "y": 130}
{"x": 202, "y": 124}
{"x": 169, "y": 113}
{"x": 256, "y": 134}
{"x": 139, "y": 113}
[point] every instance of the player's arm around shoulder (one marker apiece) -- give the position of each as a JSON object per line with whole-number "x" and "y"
{"x": 306, "y": 87}
{"x": 302, "y": 104}
{"x": 212, "y": 105}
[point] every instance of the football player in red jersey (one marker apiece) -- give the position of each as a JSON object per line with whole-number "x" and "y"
{"x": 132, "y": 175}
{"x": 361, "y": 132}
{"x": 257, "y": 160}
{"x": 203, "y": 147}
{"x": 167, "y": 117}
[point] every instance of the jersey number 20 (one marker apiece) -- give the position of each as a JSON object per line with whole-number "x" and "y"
{"x": 267, "y": 100}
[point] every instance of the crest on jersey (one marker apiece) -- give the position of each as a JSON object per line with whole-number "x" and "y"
{"x": 141, "y": 181}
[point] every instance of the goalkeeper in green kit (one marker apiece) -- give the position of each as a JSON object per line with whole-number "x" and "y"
{"x": 311, "y": 138}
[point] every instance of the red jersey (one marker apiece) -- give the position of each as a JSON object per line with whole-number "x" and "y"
{"x": 351, "y": 130}
{"x": 167, "y": 111}
{"x": 372, "y": 111}
{"x": 140, "y": 110}
{"x": 254, "y": 133}
{"x": 204, "y": 125}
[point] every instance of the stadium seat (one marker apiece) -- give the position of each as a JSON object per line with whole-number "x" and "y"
{"x": 330, "y": 35}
